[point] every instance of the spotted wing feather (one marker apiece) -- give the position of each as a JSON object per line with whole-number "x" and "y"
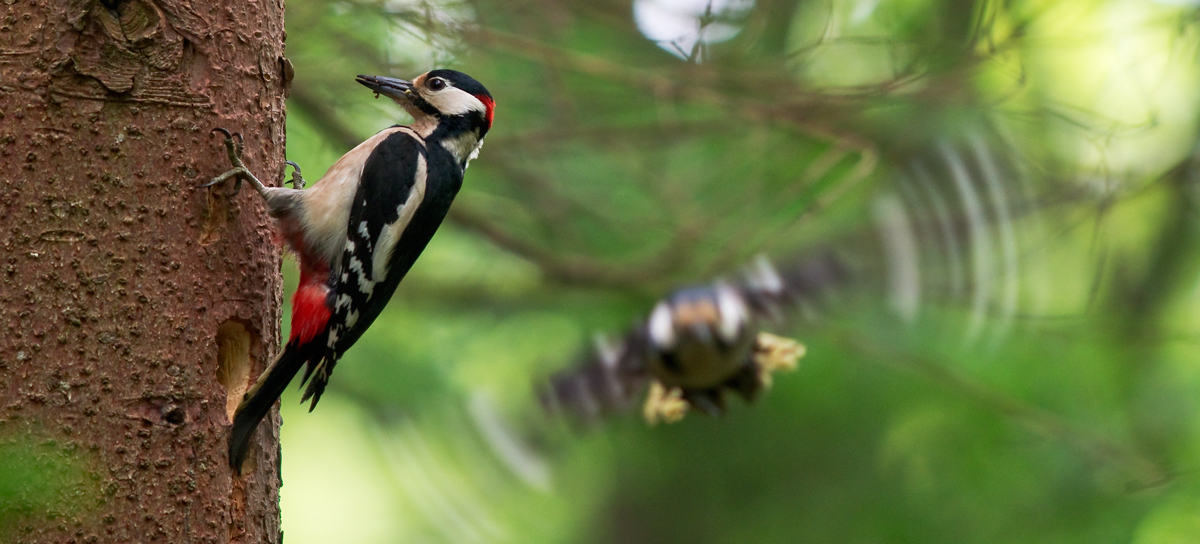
{"x": 392, "y": 189}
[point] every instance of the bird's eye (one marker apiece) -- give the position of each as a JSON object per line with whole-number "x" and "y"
{"x": 436, "y": 84}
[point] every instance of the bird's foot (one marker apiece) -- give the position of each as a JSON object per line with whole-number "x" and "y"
{"x": 233, "y": 146}
{"x": 297, "y": 180}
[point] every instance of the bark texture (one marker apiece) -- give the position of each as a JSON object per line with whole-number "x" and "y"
{"x": 132, "y": 306}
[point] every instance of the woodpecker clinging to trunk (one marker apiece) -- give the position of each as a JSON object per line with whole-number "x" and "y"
{"x": 359, "y": 230}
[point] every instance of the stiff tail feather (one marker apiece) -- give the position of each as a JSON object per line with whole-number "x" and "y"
{"x": 319, "y": 371}
{"x": 263, "y": 394}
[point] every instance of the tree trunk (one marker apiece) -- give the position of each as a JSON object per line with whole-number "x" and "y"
{"x": 135, "y": 308}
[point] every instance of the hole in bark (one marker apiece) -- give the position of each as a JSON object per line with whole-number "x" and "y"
{"x": 174, "y": 415}
{"x": 234, "y": 362}
{"x": 216, "y": 215}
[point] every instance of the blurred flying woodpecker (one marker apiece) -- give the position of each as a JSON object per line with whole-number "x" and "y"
{"x": 359, "y": 230}
{"x": 699, "y": 340}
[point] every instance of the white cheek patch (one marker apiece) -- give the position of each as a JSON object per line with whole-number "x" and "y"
{"x": 391, "y": 234}
{"x": 452, "y": 101}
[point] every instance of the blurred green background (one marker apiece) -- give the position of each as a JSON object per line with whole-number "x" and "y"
{"x": 1016, "y": 182}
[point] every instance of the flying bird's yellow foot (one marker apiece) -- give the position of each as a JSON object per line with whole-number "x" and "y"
{"x": 663, "y": 404}
{"x": 774, "y": 354}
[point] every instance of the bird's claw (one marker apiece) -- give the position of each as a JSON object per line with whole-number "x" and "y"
{"x": 234, "y": 148}
{"x": 229, "y": 137}
{"x": 236, "y": 173}
{"x": 297, "y": 180}
{"x": 233, "y": 144}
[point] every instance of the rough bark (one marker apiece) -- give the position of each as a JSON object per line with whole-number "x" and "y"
{"x": 130, "y": 301}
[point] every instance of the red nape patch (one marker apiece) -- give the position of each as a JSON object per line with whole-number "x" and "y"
{"x": 491, "y": 107}
{"x": 309, "y": 312}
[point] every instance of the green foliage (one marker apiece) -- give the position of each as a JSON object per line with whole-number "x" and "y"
{"x": 1044, "y": 389}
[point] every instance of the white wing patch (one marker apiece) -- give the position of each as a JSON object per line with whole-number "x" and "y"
{"x": 733, "y": 310}
{"x": 662, "y": 327}
{"x": 390, "y": 235}
{"x": 327, "y": 205}
{"x": 365, "y": 285}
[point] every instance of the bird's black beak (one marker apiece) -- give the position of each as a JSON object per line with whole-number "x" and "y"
{"x": 393, "y": 88}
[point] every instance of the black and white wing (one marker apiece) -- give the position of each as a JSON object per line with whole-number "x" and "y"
{"x": 387, "y": 199}
{"x": 699, "y": 340}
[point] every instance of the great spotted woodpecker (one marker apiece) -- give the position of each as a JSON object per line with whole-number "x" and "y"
{"x": 699, "y": 340}
{"x": 359, "y": 230}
